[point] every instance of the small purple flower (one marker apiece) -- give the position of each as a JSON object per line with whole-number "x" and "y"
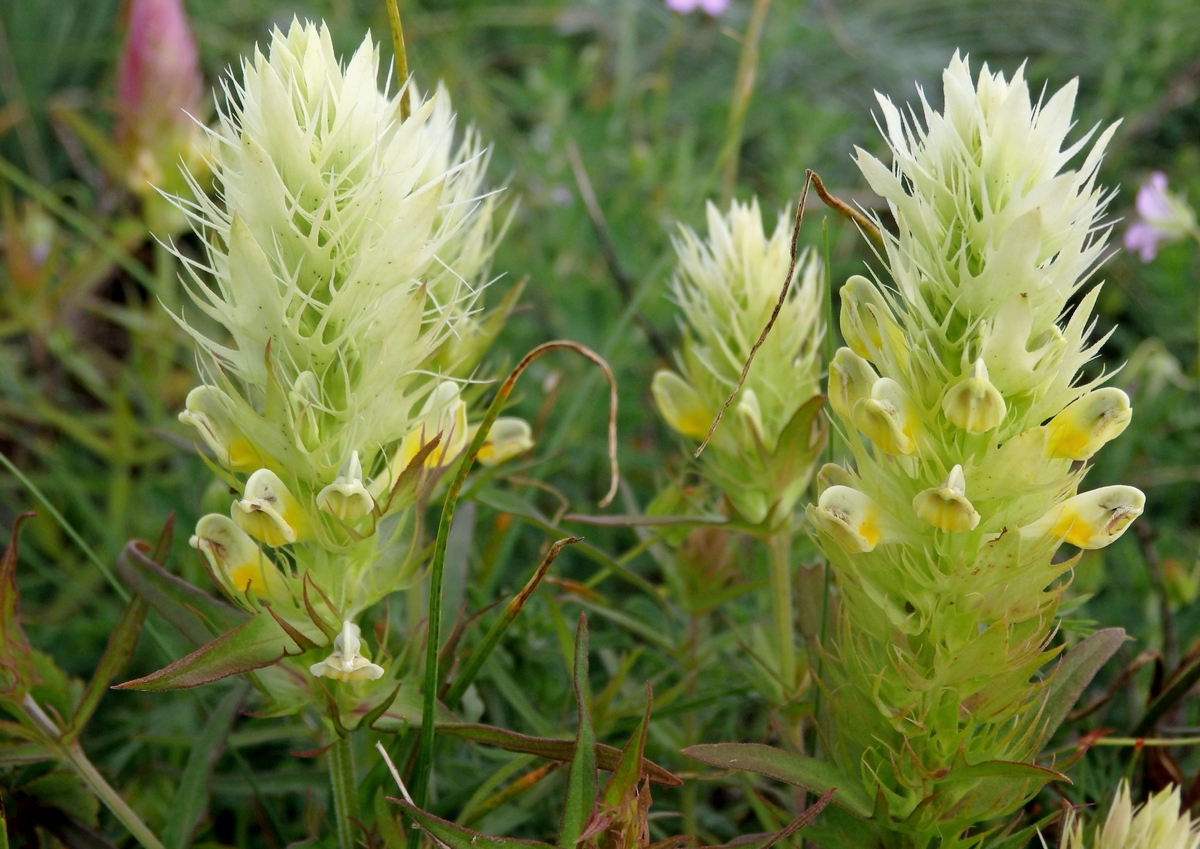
{"x": 712, "y": 8}
{"x": 1162, "y": 217}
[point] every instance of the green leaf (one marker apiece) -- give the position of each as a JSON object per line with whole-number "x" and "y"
{"x": 1075, "y": 671}
{"x": 121, "y": 645}
{"x": 256, "y": 643}
{"x": 1177, "y": 687}
{"x": 457, "y": 837}
{"x": 607, "y": 757}
{"x": 385, "y": 822}
{"x": 581, "y": 780}
{"x": 194, "y": 613}
{"x": 191, "y": 798}
{"x": 799, "y": 770}
{"x": 624, "y": 779}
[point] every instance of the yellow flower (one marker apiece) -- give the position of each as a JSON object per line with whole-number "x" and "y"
{"x": 236, "y": 561}
{"x": 946, "y": 507}
{"x": 850, "y": 518}
{"x": 268, "y": 512}
{"x": 508, "y": 438}
{"x": 974, "y": 404}
{"x": 1092, "y": 519}
{"x": 1087, "y": 424}
{"x": 680, "y": 405}
{"x": 346, "y": 662}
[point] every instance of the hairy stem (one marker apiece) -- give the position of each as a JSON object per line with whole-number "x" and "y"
{"x": 73, "y": 755}
{"x": 345, "y": 791}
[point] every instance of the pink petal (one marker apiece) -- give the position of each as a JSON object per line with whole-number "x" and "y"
{"x": 683, "y": 7}
{"x": 1152, "y": 198}
{"x": 714, "y": 7}
{"x": 158, "y": 79}
{"x": 1143, "y": 237}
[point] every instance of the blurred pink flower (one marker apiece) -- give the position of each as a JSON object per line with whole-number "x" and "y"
{"x": 158, "y": 79}
{"x": 709, "y": 7}
{"x": 1162, "y": 217}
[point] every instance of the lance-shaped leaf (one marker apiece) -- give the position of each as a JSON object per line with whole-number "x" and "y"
{"x": 121, "y": 645}
{"x": 766, "y": 841}
{"x": 194, "y": 613}
{"x": 457, "y": 837}
{"x": 16, "y": 667}
{"x": 581, "y": 780}
{"x": 799, "y": 770}
{"x": 624, "y": 808}
{"x": 1075, "y": 671}
{"x": 607, "y": 757}
{"x": 254, "y": 644}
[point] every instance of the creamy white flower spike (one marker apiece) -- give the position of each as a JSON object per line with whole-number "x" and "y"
{"x": 268, "y": 512}
{"x": 1158, "y": 824}
{"x": 347, "y": 498}
{"x": 946, "y": 507}
{"x": 346, "y": 662}
{"x": 346, "y": 248}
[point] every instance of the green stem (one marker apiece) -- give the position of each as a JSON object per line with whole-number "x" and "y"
{"x": 743, "y": 87}
{"x": 74, "y": 755}
{"x": 433, "y": 637}
{"x": 393, "y": 10}
{"x": 345, "y": 791}
{"x": 780, "y": 547}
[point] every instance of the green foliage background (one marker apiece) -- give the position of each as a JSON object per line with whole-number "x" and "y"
{"x": 90, "y": 382}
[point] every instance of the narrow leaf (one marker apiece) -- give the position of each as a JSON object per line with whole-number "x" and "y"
{"x": 191, "y": 798}
{"x": 121, "y": 645}
{"x": 192, "y": 612}
{"x": 581, "y": 780}
{"x": 1178, "y": 686}
{"x": 625, "y": 777}
{"x": 254, "y": 644}
{"x": 457, "y": 837}
{"x": 799, "y": 770}
{"x": 1075, "y": 671}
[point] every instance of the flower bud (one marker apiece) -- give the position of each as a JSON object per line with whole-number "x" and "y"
{"x": 848, "y": 517}
{"x": 862, "y": 308}
{"x": 1088, "y": 423}
{"x": 347, "y": 498}
{"x": 1092, "y": 519}
{"x": 234, "y": 558}
{"x": 444, "y": 415}
{"x": 346, "y": 662}
{"x": 946, "y": 507}
{"x": 832, "y": 474}
{"x": 888, "y": 417}
{"x": 850, "y": 380}
{"x": 268, "y": 512}
{"x": 305, "y": 399}
{"x": 680, "y": 405}
{"x": 508, "y": 438}
{"x": 974, "y": 404}
{"x": 205, "y": 412}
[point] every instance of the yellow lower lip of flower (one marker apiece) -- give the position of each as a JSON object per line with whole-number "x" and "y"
{"x": 249, "y": 577}
{"x": 265, "y": 527}
{"x": 243, "y": 457}
{"x": 946, "y": 510}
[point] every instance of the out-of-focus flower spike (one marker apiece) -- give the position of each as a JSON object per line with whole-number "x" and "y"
{"x": 347, "y": 498}
{"x": 680, "y": 405}
{"x": 1158, "y": 824}
{"x": 888, "y": 418}
{"x": 234, "y": 557}
{"x": 850, "y": 518}
{"x": 269, "y": 512}
{"x": 850, "y": 380}
{"x": 205, "y": 411}
{"x": 974, "y": 404}
{"x": 346, "y": 662}
{"x": 946, "y": 507}
{"x": 1162, "y": 217}
{"x": 1088, "y": 423}
{"x": 1090, "y": 520}
{"x": 508, "y": 438}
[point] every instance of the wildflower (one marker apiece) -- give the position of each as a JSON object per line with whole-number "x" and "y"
{"x": 727, "y": 286}
{"x": 974, "y": 404}
{"x": 1162, "y": 217}
{"x": 1088, "y": 423}
{"x": 347, "y": 498}
{"x": 946, "y": 507}
{"x": 849, "y": 517}
{"x": 346, "y": 662}
{"x": 509, "y": 437}
{"x": 712, "y": 8}
{"x": 234, "y": 559}
{"x": 1158, "y": 824}
{"x": 269, "y": 512}
{"x": 1091, "y": 520}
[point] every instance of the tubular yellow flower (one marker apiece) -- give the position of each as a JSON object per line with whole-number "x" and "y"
{"x": 680, "y": 405}
{"x": 346, "y": 662}
{"x": 850, "y": 380}
{"x": 268, "y": 512}
{"x": 974, "y": 404}
{"x": 1092, "y": 519}
{"x": 888, "y": 418}
{"x": 946, "y": 507}
{"x": 206, "y": 411}
{"x": 444, "y": 415}
{"x": 865, "y": 317}
{"x": 1086, "y": 425}
{"x": 849, "y": 517}
{"x": 508, "y": 438}
{"x": 347, "y": 498}
{"x": 235, "y": 559}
